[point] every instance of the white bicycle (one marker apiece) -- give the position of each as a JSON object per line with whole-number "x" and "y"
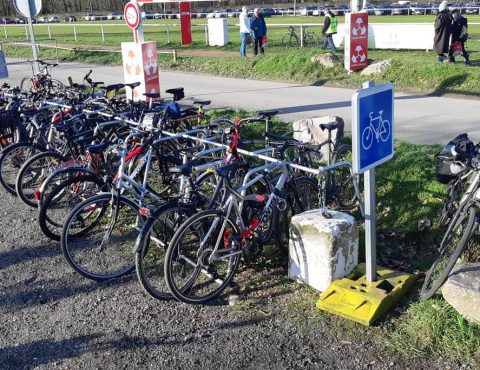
{"x": 381, "y": 131}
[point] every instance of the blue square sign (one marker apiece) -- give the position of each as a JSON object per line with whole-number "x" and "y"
{"x": 372, "y": 127}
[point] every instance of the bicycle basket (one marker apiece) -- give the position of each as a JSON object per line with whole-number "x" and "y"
{"x": 448, "y": 167}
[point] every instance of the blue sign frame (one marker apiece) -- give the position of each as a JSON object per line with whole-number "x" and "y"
{"x": 372, "y": 127}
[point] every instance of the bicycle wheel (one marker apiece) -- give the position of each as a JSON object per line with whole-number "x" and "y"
{"x": 451, "y": 247}
{"x": 62, "y": 199}
{"x": 300, "y": 197}
{"x": 33, "y": 172}
{"x": 290, "y": 40}
{"x": 310, "y": 39}
{"x": 11, "y": 160}
{"x": 194, "y": 272}
{"x": 26, "y": 83}
{"x": 98, "y": 236}
{"x": 341, "y": 188}
{"x": 152, "y": 244}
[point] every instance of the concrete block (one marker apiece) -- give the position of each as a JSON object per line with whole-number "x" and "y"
{"x": 322, "y": 249}
{"x": 309, "y": 131}
{"x": 462, "y": 290}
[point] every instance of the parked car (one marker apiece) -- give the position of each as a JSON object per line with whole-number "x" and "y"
{"x": 370, "y": 9}
{"x": 70, "y": 18}
{"x": 20, "y": 21}
{"x": 147, "y": 14}
{"x": 42, "y": 20}
{"x": 318, "y": 11}
{"x": 382, "y": 9}
{"x": 420, "y": 9}
{"x": 53, "y": 19}
{"x": 398, "y": 9}
{"x": 87, "y": 17}
{"x": 114, "y": 15}
{"x": 341, "y": 9}
{"x": 472, "y": 8}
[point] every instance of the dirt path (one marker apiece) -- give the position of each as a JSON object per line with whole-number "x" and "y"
{"x": 53, "y": 318}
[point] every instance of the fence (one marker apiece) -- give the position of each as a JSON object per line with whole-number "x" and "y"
{"x": 20, "y": 52}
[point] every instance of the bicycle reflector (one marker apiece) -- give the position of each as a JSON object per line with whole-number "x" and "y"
{"x": 144, "y": 212}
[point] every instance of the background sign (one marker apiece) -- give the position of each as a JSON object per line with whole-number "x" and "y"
{"x": 356, "y": 41}
{"x": 28, "y": 8}
{"x": 372, "y": 127}
{"x": 3, "y": 66}
{"x": 131, "y": 14}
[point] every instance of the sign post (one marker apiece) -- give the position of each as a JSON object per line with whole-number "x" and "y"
{"x": 29, "y": 9}
{"x": 372, "y": 138}
{"x": 186, "y": 23}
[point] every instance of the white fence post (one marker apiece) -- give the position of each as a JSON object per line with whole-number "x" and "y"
{"x": 5, "y": 31}
{"x": 301, "y": 35}
{"x": 168, "y": 35}
{"x": 26, "y": 31}
{"x": 49, "y": 33}
{"x": 75, "y": 33}
{"x": 103, "y": 34}
{"x": 206, "y": 34}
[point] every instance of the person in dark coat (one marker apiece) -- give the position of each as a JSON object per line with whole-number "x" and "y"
{"x": 259, "y": 29}
{"x": 443, "y": 30}
{"x": 459, "y": 34}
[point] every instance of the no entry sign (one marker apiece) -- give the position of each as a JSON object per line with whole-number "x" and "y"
{"x": 132, "y": 15}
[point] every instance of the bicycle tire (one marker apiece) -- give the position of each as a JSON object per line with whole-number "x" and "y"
{"x": 450, "y": 204}
{"x": 186, "y": 290}
{"x": 109, "y": 255}
{"x": 11, "y": 160}
{"x": 151, "y": 249}
{"x": 290, "y": 40}
{"x": 304, "y": 198}
{"x": 451, "y": 247}
{"x": 341, "y": 186}
{"x": 23, "y": 83}
{"x": 55, "y": 208}
{"x": 310, "y": 39}
{"x": 33, "y": 172}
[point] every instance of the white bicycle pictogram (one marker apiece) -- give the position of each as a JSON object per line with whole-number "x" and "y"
{"x": 381, "y": 131}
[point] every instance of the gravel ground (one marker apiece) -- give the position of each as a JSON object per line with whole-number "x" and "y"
{"x": 54, "y": 318}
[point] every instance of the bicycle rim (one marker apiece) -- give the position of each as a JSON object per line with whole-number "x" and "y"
{"x": 103, "y": 248}
{"x": 451, "y": 247}
{"x": 11, "y": 161}
{"x": 194, "y": 274}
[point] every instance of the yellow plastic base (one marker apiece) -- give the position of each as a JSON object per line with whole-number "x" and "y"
{"x": 355, "y": 299}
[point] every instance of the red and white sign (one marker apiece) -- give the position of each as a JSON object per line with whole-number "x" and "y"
{"x": 185, "y": 23}
{"x": 140, "y": 64}
{"x": 356, "y": 41}
{"x": 131, "y": 14}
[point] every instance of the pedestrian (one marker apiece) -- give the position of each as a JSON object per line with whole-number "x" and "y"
{"x": 459, "y": 36}
{"x": 443, "y": 30}
{"x": 259, "y": 30}
{"x": 329, "y": 29}
{"x": 244, "y": 31}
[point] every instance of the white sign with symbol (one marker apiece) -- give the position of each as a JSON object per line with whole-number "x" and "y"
{"x": 28, "y": 8}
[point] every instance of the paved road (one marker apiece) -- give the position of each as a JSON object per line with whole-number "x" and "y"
{"x": 419, "y": 118}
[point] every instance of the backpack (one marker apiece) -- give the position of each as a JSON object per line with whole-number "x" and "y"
{"x": 447, "y": 166}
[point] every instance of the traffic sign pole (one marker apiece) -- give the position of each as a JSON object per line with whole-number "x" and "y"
{"x": 370, "y": 226}
{"x": 32, "y": 38}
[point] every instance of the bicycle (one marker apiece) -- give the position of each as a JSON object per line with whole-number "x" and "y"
{"x": 380, "y": 131}
{"x": 42, "y": 80}
{"x": 292, "y": 39}
{"x": 459, "y": 232}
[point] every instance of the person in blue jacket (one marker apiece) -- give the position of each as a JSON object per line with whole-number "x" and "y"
{"x": 259, "y": 29}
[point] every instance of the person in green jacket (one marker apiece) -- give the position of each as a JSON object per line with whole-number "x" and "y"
{"x": 330, "y": 24}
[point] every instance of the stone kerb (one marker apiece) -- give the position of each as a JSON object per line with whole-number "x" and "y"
{"x": 322, "y": 249}
{"x": 462, "y": 291}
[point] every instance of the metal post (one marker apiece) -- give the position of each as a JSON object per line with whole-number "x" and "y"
{"x": 206, "y": 34}
{"x": 370, "y": 226}
{"x": 5, "y": 31}
{"x": 103, "y": 34}
{"x": 168, "y": 35}
{"x": 301, "y": 35}
{"x": 75, "y": 33}
{"x": 26, "y": 31}
{"x": 174, "y": 56}
{"x": 49, "y": 33}
{"x": 32, "y": 38}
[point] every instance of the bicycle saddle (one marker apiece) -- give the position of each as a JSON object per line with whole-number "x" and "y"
{"x": 43, "y": 63}
{"x": 330, "y": 126}
{"x": 268, "y": 113}
{"x": 114, "y": 87}
{"x": 225, "y": 171}
{"x": 178, "y": 93}
{"x": 98, "y": 148}
{"x": 133, "y": 85}
{"x": 202, "y": 102}
{"x": 152, "y": 95}
{"x": 185, "y": 169}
